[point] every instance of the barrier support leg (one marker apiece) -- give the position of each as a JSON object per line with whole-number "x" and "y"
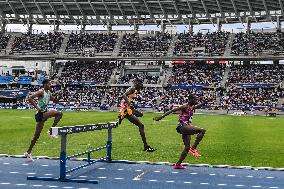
{"x": 63, "y": 157}
{"x": 109, "y": 145}
{"x": 62, "y": 177}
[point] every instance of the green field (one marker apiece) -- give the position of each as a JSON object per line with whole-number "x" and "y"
{"x": 255, "y": 141}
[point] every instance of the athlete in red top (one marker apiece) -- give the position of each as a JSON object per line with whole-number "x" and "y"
{"x": 186, "y": 129}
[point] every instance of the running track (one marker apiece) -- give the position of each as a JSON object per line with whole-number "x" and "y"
{"x": 14, "y": 171}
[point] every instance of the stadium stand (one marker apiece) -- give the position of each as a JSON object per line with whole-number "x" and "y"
{"x": 256, "y": 73}
{"x": 38, "y": 43}
{"x": 97, "y": 72}
{"x": 173, "y": 97}
{"x": 210, "y": 44}
{"x": 153, "y": 46}
{"x": 94, "y": 42}
{"x": 209, "y": 74}
{"x": 4, "y": 41}
{"x": 250, "y": 98}
{"x": 258, "y": 43}
{"x": 147, "y": 79}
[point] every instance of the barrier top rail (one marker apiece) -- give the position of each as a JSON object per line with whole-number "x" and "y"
{"x": 81, "y": 128}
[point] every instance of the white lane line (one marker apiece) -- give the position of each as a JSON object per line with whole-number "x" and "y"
{"x": 31, "y": 173}
{"x": 157, "y": 171}
{"x": 250, "y": 176}
{"x": 152, "y": 180}
{"x": 83, "y": 176}
{"x": 212, "y": 174}
{"x": 68, "y": 187}
{"x": 6, "y": 163}
{"x": 5, "y": 183}
{"x": 14, "y": 172}
{"x": 138, "y": 170}
{"x": 231, "y": 175}
{"x": 50, "y": 186}
{"x": 38, "y": 185}
{"x": 270, "y": 177}
{"x": 222, "y": 184}
{"x": 256, "y": 186}
{"x": 170, "y": 181}
{"x": 193, "y": 173}
{"x": 44, "y": 165}
{"x": 239, "y": 185}
{"x": 175, "y": 172}
{"x": 48, "y": 174}
{"x": 120, "y": 169}
{"x": 20, "y": 184}
{"x": 83, "y": 188}
{"x": 102, "y": 177}
{"x": 204, "y": 183}
{"x": 274, "y": 187}
{"x": 118, "y": 178}
{"x": 187, "y": 182}
{"x": 25, "y": 164}
{"x": 102, "y": 168}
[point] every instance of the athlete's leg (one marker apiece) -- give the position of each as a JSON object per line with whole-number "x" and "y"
{"x": 186, "y": 142}
{"x": 53, "y": 113}
{"x": 39, "y": 127}
{"x": 133, "y": 119}
{"x": 191, "y": 130}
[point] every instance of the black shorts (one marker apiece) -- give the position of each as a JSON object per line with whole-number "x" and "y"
{"x": 179, "y": 126}
{"x": 39, "y": 117}
{"x": 137, "y": 113}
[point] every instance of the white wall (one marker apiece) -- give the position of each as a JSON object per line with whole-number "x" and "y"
{"x": 6, "y": 65}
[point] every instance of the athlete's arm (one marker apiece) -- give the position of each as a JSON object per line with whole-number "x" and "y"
{"x": 32, "y": 97}
{"x": 128, "y": 92}
{"x": 169, "y": 112}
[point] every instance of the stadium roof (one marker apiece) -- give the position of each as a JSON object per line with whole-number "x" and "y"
{"x": 92, "y": 12}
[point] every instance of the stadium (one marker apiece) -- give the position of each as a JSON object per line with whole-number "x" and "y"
{"x": 227, "y": 54}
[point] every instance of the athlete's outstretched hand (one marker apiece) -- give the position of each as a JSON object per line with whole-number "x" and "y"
{"x": 157, "y": 118}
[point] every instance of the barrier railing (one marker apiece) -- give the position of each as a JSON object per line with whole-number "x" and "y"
{"x": 63, "y": 132}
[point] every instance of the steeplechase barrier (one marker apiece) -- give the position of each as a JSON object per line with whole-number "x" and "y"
{"x": 63, "y": 132}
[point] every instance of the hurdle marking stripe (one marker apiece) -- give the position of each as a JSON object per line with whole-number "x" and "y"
{"x": 138, "y": 177}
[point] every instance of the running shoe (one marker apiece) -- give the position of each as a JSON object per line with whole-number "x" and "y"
{"x": 179, "y": 166}
{"x": 149, "y": 149}
{"x": 29, "y": 157}
{"x": 194, "y": 152}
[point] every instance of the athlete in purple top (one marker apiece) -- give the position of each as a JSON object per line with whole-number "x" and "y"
{"x": 185, "y": 128}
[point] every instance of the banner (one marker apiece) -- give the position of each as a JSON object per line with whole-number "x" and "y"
{"x": 13, "y": 93}
{"x": 189, "y": 86}
{"x": 256, "y": 85}
{"x": 80, "y": 83}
